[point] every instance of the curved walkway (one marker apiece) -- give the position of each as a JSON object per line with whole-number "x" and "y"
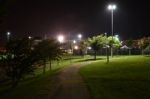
{"x": 71, "y": 85}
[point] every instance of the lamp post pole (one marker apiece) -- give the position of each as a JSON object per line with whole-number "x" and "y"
{"x": 70, "y": 47}
{"x": 80, "y": 38}
{"x": 8, "y": 36}
{"x": 112, "y": 7}
{"x": 112, "y": 30}
{"x": 107, "y": 53}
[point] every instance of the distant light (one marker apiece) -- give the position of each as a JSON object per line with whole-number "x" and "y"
{"x": 107, "y": 46}
{"x": 74, "y": 41}
{"x": 76, "y": 47}
{"x": 109, "y": 7}
{"x": 112, "y": 7}
{"x": 79, "y": 36}
{"x": 29, "y": 37}
{"x": 60, "y": 38}
{"x": 89, "y": 48}
{"x": 8, "y": 33}
{"x": 117, "y": 37}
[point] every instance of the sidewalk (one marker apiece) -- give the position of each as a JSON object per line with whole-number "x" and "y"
{"x": 70, "y": 85}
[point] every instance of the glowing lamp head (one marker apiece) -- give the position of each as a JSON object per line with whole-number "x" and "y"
{"x": 112, "y": 7}
{"x": 117, "y": 37}
{"x": 8, "y": 33}
{"x": 89, "y": 48}
{"x": 29, "y": 37}
{"x": 60, "y": 38}
{"x": 79, "y": 36}
{"x": 74, "y": 41}
{"x": 76, "y": 47}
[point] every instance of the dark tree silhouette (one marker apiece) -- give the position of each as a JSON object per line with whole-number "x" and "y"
{"x": 20, "y": 59}
{"x": 48, "y": 50}
{"x": 83, "y": 47}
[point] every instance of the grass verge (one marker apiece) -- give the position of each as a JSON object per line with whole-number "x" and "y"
{"x": 38, "y": 86}
{"x": 125, "y": 77}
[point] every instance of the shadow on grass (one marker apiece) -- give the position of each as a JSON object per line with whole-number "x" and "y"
{"x": 72, "y": 58}
{"x": 7, "y": 89}
{"x": 85, "y": 60}
{"x": 147, "y": 56}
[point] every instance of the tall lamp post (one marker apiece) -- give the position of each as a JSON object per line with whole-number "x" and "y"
{"x": 8, "y": 36}
{"x": 112, "y": 7}
{"x": 107, "y": 46}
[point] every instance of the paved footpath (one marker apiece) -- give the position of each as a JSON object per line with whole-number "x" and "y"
{"x": 71, "y": 85}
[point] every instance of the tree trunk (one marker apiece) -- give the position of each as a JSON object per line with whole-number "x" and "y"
{"x": 107, "y": 53}
{"x": 112, "y": 52}
{"x": 44, "y": 67}
{"x": 129, "y": 51}
{"x": 15, "y": 83}
{"x": 142, "y": 52}
{"x": 95, "y": 55}
{"x": 149, "y": 50}
{"x": 117, "y": 52}
{"x": 82, "y": 53}
{"x": 15, "y": 80}
{"x": 50, "y": 64}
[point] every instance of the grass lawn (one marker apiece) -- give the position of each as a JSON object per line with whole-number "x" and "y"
{"x": 29, "y": 88}
{"x": 125, "y": 77}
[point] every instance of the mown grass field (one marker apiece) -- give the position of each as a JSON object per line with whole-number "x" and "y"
{"x": 126, "y": 77}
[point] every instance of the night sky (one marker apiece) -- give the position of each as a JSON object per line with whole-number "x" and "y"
{"x": 90, "y": 17}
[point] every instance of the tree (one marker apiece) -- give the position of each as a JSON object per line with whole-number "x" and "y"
{"x": 116, "y": 43}
{"x": 96, "y": 42}
{"x": 83, "y": 47}
{"x": 106, "y": 45}
{"x": 48, "y": 50}
{"x": 55, "y": 52}
{"x": 147, "y": 50}
{"x": 143, "y": 43}
{"x": 110, "y": 43}
{"x": 129, "y": 43}
{"x": 20, "y": 60}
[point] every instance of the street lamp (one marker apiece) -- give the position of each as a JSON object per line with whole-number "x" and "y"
{"x": 76, "y": 47}
{"x": 80, "y": 36}
{"x": 60, "y": 38}
{"x": 8, "y": 36}
{"x": 29, "y": 37}
{"x": 117, "y": 37}
{"x": 112, "y": 7}
{"x": 106, "y": 45}
{"x": 89, "y": 48}
{"x": 74, "y": 41}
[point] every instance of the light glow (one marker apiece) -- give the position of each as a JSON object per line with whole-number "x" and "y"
{"x": 8, "y": 33}
{"x": 74, "y": 41}
{"x": 112, "y": 7}
{"x": 79, "y": 36}
{"x": 89, "y": 48}
{"x": 76, "y": 47}
{"x": 60, "y": 38}
{"x": 29, "y": 37}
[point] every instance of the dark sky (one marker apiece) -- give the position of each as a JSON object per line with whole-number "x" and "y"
{"x": 90, "y": 17}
